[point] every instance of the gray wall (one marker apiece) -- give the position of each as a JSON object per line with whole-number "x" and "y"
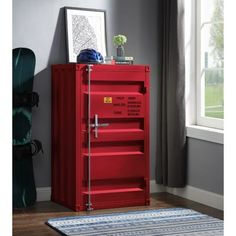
{"x": 39, "y": 25}
{"x": 205, "y": 165}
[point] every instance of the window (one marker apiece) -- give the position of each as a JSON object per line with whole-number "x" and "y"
{"x": 210, "y": 63}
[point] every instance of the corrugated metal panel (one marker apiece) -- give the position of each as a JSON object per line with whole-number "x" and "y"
{"x": 119, "y": 154}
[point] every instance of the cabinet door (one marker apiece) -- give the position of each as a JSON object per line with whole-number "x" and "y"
{"x": 116, "y": 157}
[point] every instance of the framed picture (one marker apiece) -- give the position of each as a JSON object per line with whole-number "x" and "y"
{"x": 85, "y": 28}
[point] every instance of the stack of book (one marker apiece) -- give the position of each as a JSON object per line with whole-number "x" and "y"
{"x": 115, "y": 60}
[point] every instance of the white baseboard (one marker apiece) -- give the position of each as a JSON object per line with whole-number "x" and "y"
{"x": 199, "y": 195}
{"x": 156, "y": 188}
{"x": 43, "y": 194}
{"x": 189, "y": 192}
{"x": 194, "y": 194}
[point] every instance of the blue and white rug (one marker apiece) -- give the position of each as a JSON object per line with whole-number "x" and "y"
{"x": 169, "y": 221}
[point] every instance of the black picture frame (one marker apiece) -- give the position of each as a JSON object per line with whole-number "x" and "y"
{"x": 85, "y": 28}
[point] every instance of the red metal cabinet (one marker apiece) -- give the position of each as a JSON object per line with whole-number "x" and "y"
{"x": 100, "y": 135}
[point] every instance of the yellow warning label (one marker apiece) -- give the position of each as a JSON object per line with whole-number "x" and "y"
{"x": 107, "y": 99}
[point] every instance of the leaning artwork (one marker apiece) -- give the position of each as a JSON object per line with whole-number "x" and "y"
{"x": 85, "y": 28}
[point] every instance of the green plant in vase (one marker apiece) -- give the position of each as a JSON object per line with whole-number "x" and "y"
{"x": 119, "y": 40}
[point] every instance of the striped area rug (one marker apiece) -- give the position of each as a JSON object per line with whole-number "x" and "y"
{"x": 169, "y": 221}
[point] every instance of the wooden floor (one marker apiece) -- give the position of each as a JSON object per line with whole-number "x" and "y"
{"x": 31, "y": 221}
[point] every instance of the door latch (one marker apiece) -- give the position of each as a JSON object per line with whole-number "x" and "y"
{"x": 96, "y": 125}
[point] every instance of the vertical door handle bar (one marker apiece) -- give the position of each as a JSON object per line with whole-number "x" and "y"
{"x": 89, "y": 203}
{"x": 96, "y": 125}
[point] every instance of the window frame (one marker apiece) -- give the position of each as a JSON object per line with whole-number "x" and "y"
{"x": 200, "y": 86}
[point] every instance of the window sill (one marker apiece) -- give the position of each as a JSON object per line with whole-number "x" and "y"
{"x": 205, "y": 133}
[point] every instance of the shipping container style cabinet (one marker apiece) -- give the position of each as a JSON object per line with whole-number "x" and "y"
{"x": 100, "y": 136}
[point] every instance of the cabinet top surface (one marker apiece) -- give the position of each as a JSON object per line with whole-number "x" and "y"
{"x": 106, "y": 67}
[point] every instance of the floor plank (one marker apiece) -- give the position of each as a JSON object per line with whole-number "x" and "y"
{"x": 31, "y": 221}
